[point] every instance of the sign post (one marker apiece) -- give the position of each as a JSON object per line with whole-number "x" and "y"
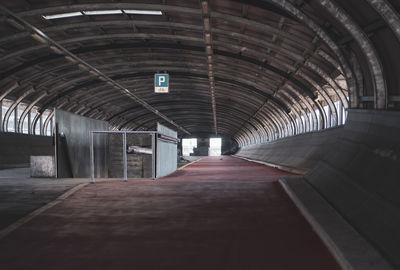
{"x": 161, "y": 83}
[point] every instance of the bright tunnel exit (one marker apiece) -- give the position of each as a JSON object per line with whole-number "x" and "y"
{"x": 188, "y": 145}
{"x": 215, "y": 147}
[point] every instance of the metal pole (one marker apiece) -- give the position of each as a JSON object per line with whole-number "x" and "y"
{"x": 125, "y": 157}
{"x": 153, "y": 156}
{"x": 91, "y": 159}
{"x": 55, "y": 146}
{"x": 1, "y": 114}
{"x": 41, "y": 124}
{"x": 329, "y": 117}
{"x": 340, "y": 113}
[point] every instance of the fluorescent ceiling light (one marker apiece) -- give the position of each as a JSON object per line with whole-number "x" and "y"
{"x": 62, "y": 15}
{"x": 102, "y": 12}
{"x": 142, "y": 12}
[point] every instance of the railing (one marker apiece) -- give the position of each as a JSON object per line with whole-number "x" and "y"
{"x": 154, "y": 134}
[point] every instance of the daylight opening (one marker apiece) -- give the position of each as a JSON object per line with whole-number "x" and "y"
{"x": 188, "y": 145}
{"x": 215, "y": 147}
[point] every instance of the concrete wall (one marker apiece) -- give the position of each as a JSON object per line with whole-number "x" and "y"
{"x": 202, "y": 147}
{"x": 357, "y": 171}
{"x": 16, "y": 149}
{"x": 229, "y": 146}
{"x": 43, "y": 166}
{"x": 360, "y": 177}
{"x": 139, "y": 165}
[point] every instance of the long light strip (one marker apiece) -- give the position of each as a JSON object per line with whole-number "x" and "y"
{"x": 209, "y": 52}
{"x": 102, "y": 12}
{"x": 62, "y": 15}
{"x": 20, "y": 23}
{"x": 142, "y": 12}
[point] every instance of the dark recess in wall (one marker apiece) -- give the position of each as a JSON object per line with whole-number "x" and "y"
{"x": 16, "y": 149}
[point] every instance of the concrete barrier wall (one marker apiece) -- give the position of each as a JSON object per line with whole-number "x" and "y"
{"x": 43, "y": 166}
{"x": 299, "y": 153}
{"x": 356, "y": 168}
{"x": 16, "y": 149}
{"x": 360, "y": 177}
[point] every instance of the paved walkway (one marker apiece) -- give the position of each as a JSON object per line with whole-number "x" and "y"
{"x": 21, "y": 195}
{"x": 218, "y": 213}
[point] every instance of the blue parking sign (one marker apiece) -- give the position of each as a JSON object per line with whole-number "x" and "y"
{"x": 161, "y": 83}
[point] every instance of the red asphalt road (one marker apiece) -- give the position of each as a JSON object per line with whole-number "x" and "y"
{"x": 218, "y": 213}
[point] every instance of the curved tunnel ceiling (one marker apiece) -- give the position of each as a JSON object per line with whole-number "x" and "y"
{"x": 251, "y": 70}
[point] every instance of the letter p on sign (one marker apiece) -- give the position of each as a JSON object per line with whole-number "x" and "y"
{"x": 161, "y": 83}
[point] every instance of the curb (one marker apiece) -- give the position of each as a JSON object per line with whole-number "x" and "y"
{"x": 273, "y": 165}
{"x": 190, "y": 163}
{"x": 323, "y": 235}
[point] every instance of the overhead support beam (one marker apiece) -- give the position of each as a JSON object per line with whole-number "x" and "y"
{"x": 388, "y": 13}
{"x": 20, "y": 24}
{"x": 15, "y": 85}
{"x": 205, "y": 8}
{"x": 369, "y": 30}
{"x": 374, "y": 62}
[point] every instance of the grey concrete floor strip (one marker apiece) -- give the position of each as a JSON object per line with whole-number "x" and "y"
{"x": 20, "y": 196}
{"x": 15, "y": 173}
{"x": 38, "y": 211}
{"x": 350, "y": 249}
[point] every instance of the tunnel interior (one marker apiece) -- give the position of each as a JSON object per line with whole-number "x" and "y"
{"x": 310, "y": 87}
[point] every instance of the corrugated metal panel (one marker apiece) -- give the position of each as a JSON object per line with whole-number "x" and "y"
{"x": 73, "y": 145}
{"x": 167, "y": 152}
{"x": 166, "y": 131}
